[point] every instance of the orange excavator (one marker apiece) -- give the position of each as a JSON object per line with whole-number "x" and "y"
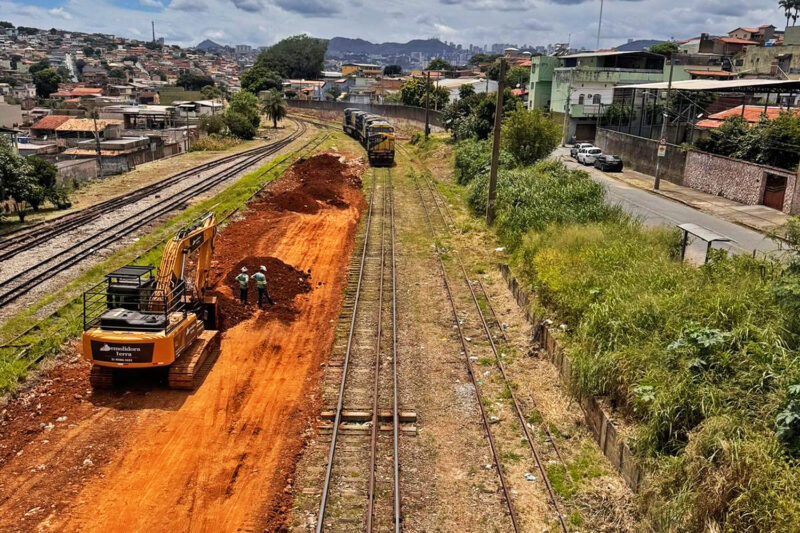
{"x": 134, "y": 320}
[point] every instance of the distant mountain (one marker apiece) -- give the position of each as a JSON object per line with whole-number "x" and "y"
{"x": 637, "y": 46}
{"x": 342, "y": 46}
{"x": 209, "y": 46}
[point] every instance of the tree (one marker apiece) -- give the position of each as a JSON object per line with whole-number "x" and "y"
{"x": 63, "y": 72}
{"x": 212, "y": 125}
{"x": 239, "y": 125}
{"x": 333, "y": 93}
{"x": 274, "y": 106}
{"x": 79, "y": 65}
{"x": 44, "y": 173}
{"x": 529, "y": 135}
{"x": 477, "y": 59}
{"x": 665, "y": 49}
{"x": 210, "y": 92}
{"x": 38, "y": 67}
{"x": 88, "y": 51}
{"x": 133, "y": 59}
{"x": 787, "y": 6}
{"x": 439, "y": 64}
{"x": 260, "y": 78}
{"x": 517, "y": 77}
{"x": 392, "y": 70}
{"x": 246, "y": 104}
{"x": 17, "y": 182}
{"x": 466, "y": 90}
{"x": 6, "y": 24}
{"x": 117, "y": 73}
{"x": 46, "y": 82}
{"x": 193, "y": 82}
{"x": 300, "y": 56}
{"x": 413, "y": 93}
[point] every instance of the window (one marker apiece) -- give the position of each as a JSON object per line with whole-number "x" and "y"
{"x": 581, "y": 99}
{"x": 596, "y": 99}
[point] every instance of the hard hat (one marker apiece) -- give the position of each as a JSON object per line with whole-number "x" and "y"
{"x": 263, "y": 268}
{"x": 244, "y": 269}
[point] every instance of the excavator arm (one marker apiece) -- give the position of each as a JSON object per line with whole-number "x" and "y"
{"x": 197, "y": 238}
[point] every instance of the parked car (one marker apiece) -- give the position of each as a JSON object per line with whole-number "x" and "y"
{"x": 586, "y": 156}
{"x": 608, "y": 163}
{"x": 577, "y": 148}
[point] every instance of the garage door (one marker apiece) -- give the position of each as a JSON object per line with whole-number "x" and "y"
{"x": 585, "y": 132}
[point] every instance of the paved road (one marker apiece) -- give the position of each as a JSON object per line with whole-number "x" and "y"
{"x": 657, "y": 210}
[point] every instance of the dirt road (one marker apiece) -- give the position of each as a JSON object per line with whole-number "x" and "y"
{"x": 221, "y": 458}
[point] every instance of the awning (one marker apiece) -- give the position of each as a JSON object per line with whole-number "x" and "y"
{"x": 722, "y": 85}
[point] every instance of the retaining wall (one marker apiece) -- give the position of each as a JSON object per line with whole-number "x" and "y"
{"x": 640, "y": 154}
{"x": 402, "y": 112}
{"x": 606, "y": 434}
{"x": 77, "y": 171}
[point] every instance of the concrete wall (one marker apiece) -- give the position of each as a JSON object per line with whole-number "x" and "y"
{"x": 736, "y": 180}
{"x": 640, "y": 154}
{"x": 10, "y": 115}
{"x": 414, "y": 114}
{"x": 73, "y": 172}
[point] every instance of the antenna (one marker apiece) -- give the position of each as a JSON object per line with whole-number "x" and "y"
{"x": 600, "y": 23}
{"x": 153, "y": 23}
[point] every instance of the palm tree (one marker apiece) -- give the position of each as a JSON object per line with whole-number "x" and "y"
{"x": 787, "y": 6}
{"x": 274, "y": 106}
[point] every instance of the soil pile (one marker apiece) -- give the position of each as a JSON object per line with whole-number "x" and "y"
{"x": 284, "y": 282}
{"x": 311, "y": 184}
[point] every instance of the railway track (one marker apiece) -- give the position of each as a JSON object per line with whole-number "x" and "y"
{"x": 472, "y": 325}
{"x": 366, "y": 422}
{"x": 27, "y": 238}
{"x": 23, "y": 282}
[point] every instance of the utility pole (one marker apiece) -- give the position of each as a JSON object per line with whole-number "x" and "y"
{"x": 565, "y": 129}
{"x": 427, "y": 106}
{"x": 662, "y": 139}
{"x": 187, "y": 129}
{"x": 600, "y": 23}
{"x": 97, "y": 143}
{"x": 498, "y": 118}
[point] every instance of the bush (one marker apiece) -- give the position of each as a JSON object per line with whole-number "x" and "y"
{"x": 474, "y": 158}
{"x": 214, "y": 143}
{"x": 529, "y": 135}
{"x": 214, "y": 124}
{"x": 239, "y": 125}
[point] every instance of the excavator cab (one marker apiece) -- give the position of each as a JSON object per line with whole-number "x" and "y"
{"x": 135, "y": 319}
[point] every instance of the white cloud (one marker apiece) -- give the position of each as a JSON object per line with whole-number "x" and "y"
{"x": 61, "y": 13}
{"x": 151, "y": 3}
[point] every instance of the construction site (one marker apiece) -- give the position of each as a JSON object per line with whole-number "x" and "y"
{"x": 380, "y": 390}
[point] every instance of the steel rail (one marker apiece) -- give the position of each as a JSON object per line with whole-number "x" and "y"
{"x": 373, "y": 443}
{"x": 465, "y": 349}
{"x": 137, "y": 220}
{"x": 32, "y": 236}
{"x": 498, "y": 362}
{"x": 340, "y": 402}
{"x": 395, "y": 385}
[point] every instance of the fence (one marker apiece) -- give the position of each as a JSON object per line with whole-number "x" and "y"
{"x": 402, "y": 112}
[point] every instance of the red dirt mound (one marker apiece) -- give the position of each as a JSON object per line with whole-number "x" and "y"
{"x": 294, "y": 201}
{"x": 284, "y": 282}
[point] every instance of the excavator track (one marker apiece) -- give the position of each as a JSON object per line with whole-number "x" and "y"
{"x": 101, "y": 377}
{"x": 185, "y": 373}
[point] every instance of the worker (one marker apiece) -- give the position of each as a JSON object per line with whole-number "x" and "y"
{"x": 243, "y": 280}
{"x": 261, "y": 285}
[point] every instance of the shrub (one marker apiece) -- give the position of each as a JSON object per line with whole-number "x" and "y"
{"x": 214, "y": 143}
{"x": 529, "y": 135}
{"x": 239, "y": 125}
{"x": 214, "y": 124}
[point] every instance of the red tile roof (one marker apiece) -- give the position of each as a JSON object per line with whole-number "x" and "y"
{"x": 752, "y": 114}
{"x": 50, "y": 122}
{"x": 734, "y": 40}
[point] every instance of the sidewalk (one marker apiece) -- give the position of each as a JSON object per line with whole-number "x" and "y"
{"x": 757, "y": 217}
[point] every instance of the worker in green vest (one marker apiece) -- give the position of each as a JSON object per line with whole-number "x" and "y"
{"x": 261, "y": 284}
{"x": 243, "y": 280}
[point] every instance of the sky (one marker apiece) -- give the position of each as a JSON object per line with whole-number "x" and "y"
{"x": 264, "y": 22}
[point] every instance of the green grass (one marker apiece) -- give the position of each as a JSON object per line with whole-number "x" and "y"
{"x": 50, "y": 333}
{"x": 699, "y": 360}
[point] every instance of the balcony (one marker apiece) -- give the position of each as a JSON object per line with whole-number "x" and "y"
{"x": 584, "y": 110}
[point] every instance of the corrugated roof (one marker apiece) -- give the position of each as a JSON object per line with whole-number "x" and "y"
{"x": 87, "y": 124}
{"x": 603, "y": 53}
{"x": 734, "y": 40}
{"x": 717, "y": 73}
{"x": 718, "y": 85}
{"x": 50, "y": 122}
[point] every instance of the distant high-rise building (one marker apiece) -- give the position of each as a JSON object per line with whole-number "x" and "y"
{"x": 243, "y": 49}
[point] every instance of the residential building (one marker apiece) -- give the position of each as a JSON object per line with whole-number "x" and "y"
{"x": 761, "y": 34}
{"x": 751, "y": 113}
{"x": 361, "y": 69}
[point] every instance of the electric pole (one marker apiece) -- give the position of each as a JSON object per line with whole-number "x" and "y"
{"x": 498, "y": 119}
{"x": 97, "y": 143}
{"x": 600, "y": 23}
{"x": 427, "y": 105}
{"x": 662, "y": 140}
